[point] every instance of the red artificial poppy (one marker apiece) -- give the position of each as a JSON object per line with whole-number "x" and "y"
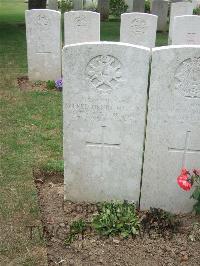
{"x": 183, "y": 182}
{"x": 184, "y": 171}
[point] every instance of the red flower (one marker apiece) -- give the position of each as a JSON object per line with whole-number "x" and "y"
{"x": 184, "y": 171}
{"x": 183, "y": 181}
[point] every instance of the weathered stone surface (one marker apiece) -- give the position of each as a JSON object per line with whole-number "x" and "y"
{"x": 138, "y": 29}
{"x": 160, "y": 9}
{"x": 173, "y": 127}
{"x": 186, "y": 30}
{"x": 138, "y": 5}
{"x": 178, "y": 9}
{"x": 43, "y": 44}
{"x": 81, "y": 26}
{"x": 104, "y": 103}
{"x": 77, "y": 4}
{"x": 53, "y": 4}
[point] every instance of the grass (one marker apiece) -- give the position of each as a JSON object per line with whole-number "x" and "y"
{"x": 31, "y": 135}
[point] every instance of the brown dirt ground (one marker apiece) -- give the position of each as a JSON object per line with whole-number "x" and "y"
{"x": 176, "y": 249}
{"x": 26, "y": 85}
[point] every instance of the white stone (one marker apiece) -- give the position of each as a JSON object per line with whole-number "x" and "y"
{"x": 178, "y": 9}
{"x": 186, "y": 30}
{"x": 160, "y": 9}
{"x": 173, "y": 125}
{"x": 104, "y": 103}
{"x": 138, "y": 28}
{"x": 53, "y": 4}
{"x": 81, "y": 26}
{"x": 43, "y": 44}
{"x": 77, "y": 4}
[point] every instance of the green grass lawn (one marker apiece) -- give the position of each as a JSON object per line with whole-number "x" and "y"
{"x": 31, "y": 135}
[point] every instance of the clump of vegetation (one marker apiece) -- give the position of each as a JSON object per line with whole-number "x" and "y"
{"x": 196, "y": 11}
{"x": 76, "y": 228}
{"x": 117, "y": 7}
{"x": 116, "y": 218}
{"x": 65, "y": 5}
{"x": 147, "y": 6}
{"x": 112, "y": 219}
{"x": 159, "y": 221}
{"x": 50, "y": 84}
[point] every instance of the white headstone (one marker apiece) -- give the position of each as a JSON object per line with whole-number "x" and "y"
{"x": 53, "y": 4}
{"x": 178, "y": 9}
{"x": 138, "y": 5}
{"x": 138, "y": 29}
{"x": 81, "y": 26}
{"x": 77, "y": 4}
{"x": 160, "y": 9}
{"x": 104, "y": 103}
{"x": 186, "y": 30}
{"x": 173, "y": 127}
{"x": 43, "y": 44}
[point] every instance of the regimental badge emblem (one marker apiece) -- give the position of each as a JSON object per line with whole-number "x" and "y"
{"x": 103, "y": 73}
{"x": 187, "y": 78}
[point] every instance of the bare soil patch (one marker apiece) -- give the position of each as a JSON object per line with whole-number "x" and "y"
{"x": 147, "y": 249}
{"x": 25, "y": 84}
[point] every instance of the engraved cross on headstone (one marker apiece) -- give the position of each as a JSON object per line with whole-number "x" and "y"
{"x": 102, "y": 145}
{"x": 186, "y": 150}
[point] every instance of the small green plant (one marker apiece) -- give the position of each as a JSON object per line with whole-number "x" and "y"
{"x": 196, "y": 11}
{"x": 50, "y": 84}
{"x": 117, "y": 7}
{"x": 65, "y": 5}
{"x": 76, "y": 228}
{"x": 116, "y": 218}
{"x": 147, "y": 6}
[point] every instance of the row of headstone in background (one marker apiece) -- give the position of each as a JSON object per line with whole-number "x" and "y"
{"x": 178, "y": 9}
{"x": 44, "y": 35}
{"x": 136, "y": 28}
{"x": 105, "y": 103}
